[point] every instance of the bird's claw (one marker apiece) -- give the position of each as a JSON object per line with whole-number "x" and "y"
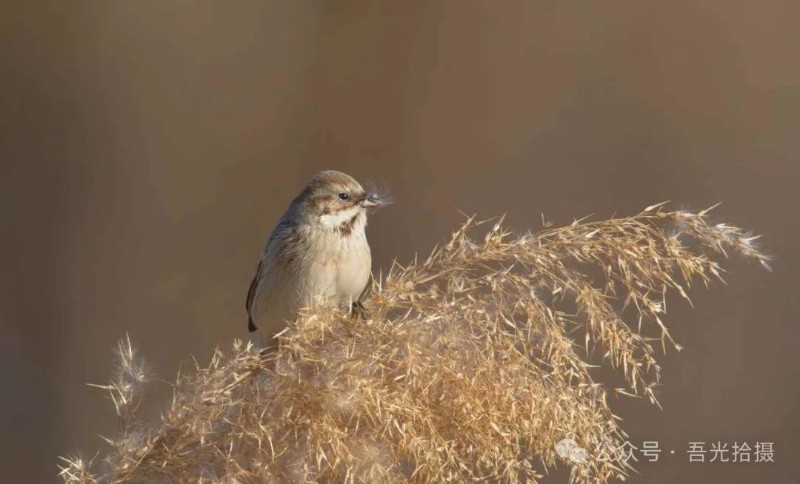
{"x": 357, "y": 310}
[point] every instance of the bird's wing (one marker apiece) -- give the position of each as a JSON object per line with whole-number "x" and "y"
{"x": 366, "y": 291}
{"x": 275, "y": 238}
{"x": 251, "y": 295}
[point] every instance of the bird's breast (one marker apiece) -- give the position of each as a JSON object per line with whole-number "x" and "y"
{"x": 342, "y": 267}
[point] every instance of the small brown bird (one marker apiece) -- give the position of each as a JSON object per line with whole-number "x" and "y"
{"x": 317, "y": 254}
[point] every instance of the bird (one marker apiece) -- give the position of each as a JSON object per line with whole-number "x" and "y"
{"x": 317, "y": 254}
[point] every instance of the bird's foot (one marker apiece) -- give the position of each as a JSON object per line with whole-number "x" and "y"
{"x": 357, "y": 310}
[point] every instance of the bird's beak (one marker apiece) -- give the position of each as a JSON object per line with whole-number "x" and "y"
{"x": 374, "y": 200}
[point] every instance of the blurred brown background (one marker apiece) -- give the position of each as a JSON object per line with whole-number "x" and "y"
{"x": 148, "y": 147}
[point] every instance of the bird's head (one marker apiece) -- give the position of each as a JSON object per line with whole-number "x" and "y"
{"x": 335, "y": 199}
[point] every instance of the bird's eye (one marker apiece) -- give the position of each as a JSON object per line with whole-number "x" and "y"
{"x": 344, "y": 196}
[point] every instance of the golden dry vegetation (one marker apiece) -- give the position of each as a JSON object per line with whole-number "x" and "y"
{"x": 469, "y": 365}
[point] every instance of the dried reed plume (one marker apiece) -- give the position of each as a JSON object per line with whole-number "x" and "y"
{"x": 464, "y": 368}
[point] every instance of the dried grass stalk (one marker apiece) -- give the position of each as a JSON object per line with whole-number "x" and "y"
{"x": 464, "y": 368}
